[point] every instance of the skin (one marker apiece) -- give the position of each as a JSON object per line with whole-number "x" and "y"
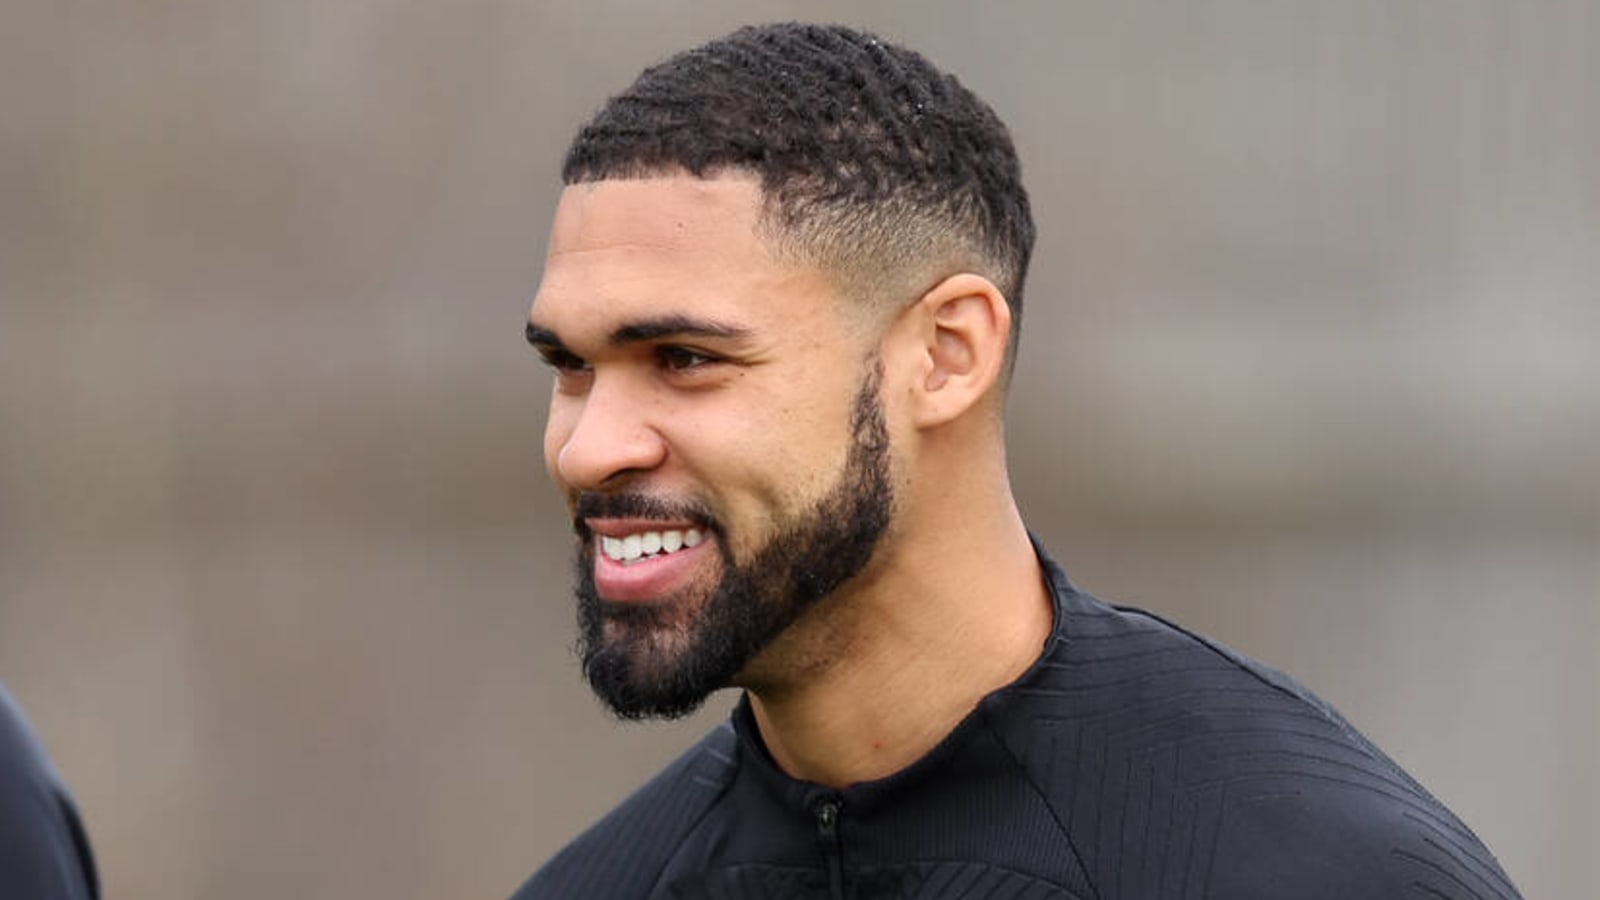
{"x": 693, "y": 364}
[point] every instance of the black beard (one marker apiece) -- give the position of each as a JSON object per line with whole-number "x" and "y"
{"x": 662, "y": 660}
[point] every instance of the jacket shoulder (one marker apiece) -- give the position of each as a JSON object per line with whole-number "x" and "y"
{"x": 1146, "y": 738}
{"x": 623, "y": 854}
{"x": 44, "y": 851}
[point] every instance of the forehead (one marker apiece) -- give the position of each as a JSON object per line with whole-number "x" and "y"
{"x": 671, "y": 244}
{"x": 669, "y": 212}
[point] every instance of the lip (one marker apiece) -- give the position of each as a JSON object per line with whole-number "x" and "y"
{"x": 625, "y": 527}
{"x": 646, "y": 580}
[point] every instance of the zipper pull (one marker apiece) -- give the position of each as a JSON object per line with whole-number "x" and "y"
{"x": 828, "y": 819}
{"x": 828, "y": 836}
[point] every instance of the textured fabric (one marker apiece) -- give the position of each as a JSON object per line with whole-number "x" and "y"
{"x": 1133, "y": 761}
{"x": 44, "y": 854}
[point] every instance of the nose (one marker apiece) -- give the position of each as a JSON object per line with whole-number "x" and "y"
{"x": 601, "y": 437}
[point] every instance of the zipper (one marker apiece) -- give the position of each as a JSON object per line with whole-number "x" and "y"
{"x": 828, "y": 836}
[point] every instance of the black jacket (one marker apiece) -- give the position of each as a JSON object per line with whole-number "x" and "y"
{"x": 44, "y": 854}
{"x": 1133, "y": 760}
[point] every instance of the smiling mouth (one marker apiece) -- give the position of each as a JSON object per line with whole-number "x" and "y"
{"x": 647, "y": 545}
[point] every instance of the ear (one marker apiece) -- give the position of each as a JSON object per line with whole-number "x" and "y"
{"x": 956, "y": 334}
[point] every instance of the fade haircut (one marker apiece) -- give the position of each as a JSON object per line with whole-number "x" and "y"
{"x": 874, "y": 166}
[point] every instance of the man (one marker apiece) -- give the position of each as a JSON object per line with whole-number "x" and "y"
{"x": 44, "y": 854}
{"x": 781, "y": 305}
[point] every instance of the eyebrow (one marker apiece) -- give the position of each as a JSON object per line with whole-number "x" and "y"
{"x": 649, "y": 330}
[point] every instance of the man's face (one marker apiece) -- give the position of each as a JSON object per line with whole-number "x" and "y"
{"x": 716, "y": 427}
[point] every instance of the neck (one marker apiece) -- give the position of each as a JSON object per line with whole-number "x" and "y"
{"x": 884, "y": 672}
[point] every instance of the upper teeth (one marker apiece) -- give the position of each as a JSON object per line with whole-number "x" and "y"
{"x": 648, "y": 543}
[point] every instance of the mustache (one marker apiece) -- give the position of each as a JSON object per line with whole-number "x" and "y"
{"x": 597, "y": 505}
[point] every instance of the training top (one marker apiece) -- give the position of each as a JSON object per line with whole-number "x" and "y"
{"x": 44, "y": 854}
{"x": 1134, "y": 761}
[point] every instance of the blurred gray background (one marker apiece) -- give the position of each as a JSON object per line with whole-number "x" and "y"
{"x": 1309, "y": 364}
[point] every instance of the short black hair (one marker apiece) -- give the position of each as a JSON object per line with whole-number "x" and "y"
{"x": 875, "y": 165}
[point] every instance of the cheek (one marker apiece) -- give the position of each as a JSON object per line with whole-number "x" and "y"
{"x": 775, "y": 461}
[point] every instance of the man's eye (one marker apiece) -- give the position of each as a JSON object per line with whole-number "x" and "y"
{"x": 561, "y": 360}
{"x": 682, "y": 358}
